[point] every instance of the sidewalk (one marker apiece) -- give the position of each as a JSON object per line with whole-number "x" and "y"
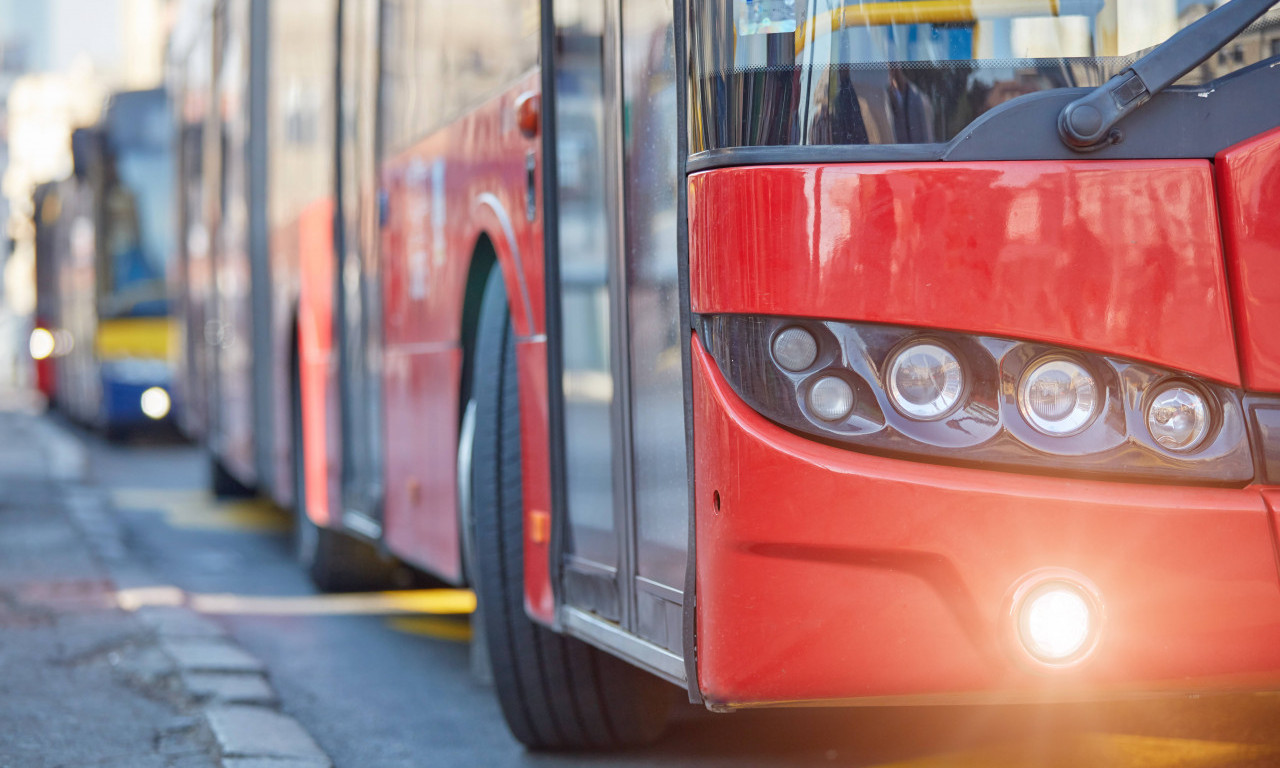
{"x": 84, "y": 682}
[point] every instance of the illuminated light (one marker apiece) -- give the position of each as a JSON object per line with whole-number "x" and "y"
{"x": 1058, "y": 397}
{"x": 41, "y": 344}
{"x": 795, "y": 349}
{"x": 1056, "y": 623}
{"x": 831, "y": 398}
{"x": 1178, "y": 417}
{"x": 924, "y": 381}
{"x": 155, "y": 403}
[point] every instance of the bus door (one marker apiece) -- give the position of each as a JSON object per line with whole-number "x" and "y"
{"x": 622, "y": 466}
{"x": 359, "y": 302}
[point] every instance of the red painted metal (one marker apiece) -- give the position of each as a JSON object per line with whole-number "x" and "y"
{"x": 1249, "y": 192}
{"x": 1272, "y": 497}
{"x": 317, "y": 355}
{"x": 1120, "y": 257}
{"x": 825, "y": 574}
{"x": 474, "y": 173}
{"x": 46, "y": 368}
{"x": 531, "y": 358}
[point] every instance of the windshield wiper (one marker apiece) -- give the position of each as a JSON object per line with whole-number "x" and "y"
{"x": 1086, "y": 123}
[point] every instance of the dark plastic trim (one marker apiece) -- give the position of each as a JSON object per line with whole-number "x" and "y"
{"x": 689, "y": 619}
{"x": 552, "y": 323}
{"x": 1264, "y": 422}
{"x": 987, "y": 430}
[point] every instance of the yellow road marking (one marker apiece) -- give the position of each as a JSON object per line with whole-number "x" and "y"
{"x": 439, "y": 602}
{"x": 1100, "y": 750}
{"x": 197, "y": 510}
{"x": 453, "y": 630}
{"x": 432, "y": 601}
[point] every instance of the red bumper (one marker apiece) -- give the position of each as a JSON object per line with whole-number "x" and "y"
{"x": 828, "y": 575}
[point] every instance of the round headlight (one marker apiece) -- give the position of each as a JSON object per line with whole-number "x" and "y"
{"x": 1058, "y": 397}
{"x": 1178, "y": 417}
{"x": 795, "y": 348}
{"x": 924, "y": 381}
{"x": 155, "y": 403}
{"x": 1056, "y": 623}
{"x": 41, "y": 344}
{"x": 831, "y": 398}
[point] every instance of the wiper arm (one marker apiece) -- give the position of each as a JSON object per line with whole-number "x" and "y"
{"x": 1085, "y": 124}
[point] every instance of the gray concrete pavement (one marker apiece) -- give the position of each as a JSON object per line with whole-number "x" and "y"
{"x": 84, "y": 682}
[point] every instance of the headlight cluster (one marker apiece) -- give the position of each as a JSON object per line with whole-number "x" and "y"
{"x": 963, "y": 398}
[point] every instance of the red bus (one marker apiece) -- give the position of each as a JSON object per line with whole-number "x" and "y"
{"x": 791, "y": 353}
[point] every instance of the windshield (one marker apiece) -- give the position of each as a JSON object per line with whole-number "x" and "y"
{"x": 135, "y": 204}
{"x": 777, "y": 72}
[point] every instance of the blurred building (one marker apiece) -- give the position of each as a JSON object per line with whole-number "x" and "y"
{"x": 59, "y": 59}
{"x": 1260, "y": 41}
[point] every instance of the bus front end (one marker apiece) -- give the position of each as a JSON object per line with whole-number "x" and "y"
{"x": 979, "y": 415}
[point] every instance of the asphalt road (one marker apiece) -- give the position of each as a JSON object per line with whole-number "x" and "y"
{"x": 383, "y": 682}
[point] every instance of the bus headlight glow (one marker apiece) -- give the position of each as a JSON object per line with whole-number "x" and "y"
{"x": 155, "y": 403}
{"x": 1058, "y": 397}
{"x": 1056, "y": 623}
{"x": 924, "y": 381}
{"x": 1178, "y": 417}
{"x": 41, "y": 344}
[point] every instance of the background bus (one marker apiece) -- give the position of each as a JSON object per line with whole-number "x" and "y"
{"x": 102, "y": 251}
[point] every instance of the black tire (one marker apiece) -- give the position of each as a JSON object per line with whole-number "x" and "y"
{"x": 224, "y": 484}
{"x": 334, "y": 561}
{"x": 556, "y": 692}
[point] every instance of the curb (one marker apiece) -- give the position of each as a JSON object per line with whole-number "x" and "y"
{"x": 228, "y": 687}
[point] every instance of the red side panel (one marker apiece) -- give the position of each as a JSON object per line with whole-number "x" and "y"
{"x": 46, "y": 370}
{"x": 1121, "y": 257}
{"x": 446, "y": 193}
{"x": 531, "y": 359}
{"x": 316, "y": 353}
{"x": 1249, "y": 186}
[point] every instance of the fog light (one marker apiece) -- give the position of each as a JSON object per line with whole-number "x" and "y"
{"x": 1178, "y": 417}
{"x": 1058, "y": 397}
{"x": 795, "y": 349}
{"x": 155, "y": 403}
{"x": 1056, "y": 622}
{"x": 924, "y": 381}
{"x": 41, "y": 344}
{"x": 831, "y": 398}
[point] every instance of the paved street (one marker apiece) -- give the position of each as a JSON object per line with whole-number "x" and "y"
{"x": 143, "y": 623}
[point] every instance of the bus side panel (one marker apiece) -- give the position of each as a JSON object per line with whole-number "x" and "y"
{"x": 539, "y": 600}
{"x": 1120, "y": 257}
{"x": 1249, "y": 185}
{"x": 444, "y": 194}
{"x": 316, "y": 359}
{"x": 421, "y": 361}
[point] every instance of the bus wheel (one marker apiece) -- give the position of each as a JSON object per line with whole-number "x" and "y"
{"x": 556, "y": 692}
{"x": 334, "y": 561}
